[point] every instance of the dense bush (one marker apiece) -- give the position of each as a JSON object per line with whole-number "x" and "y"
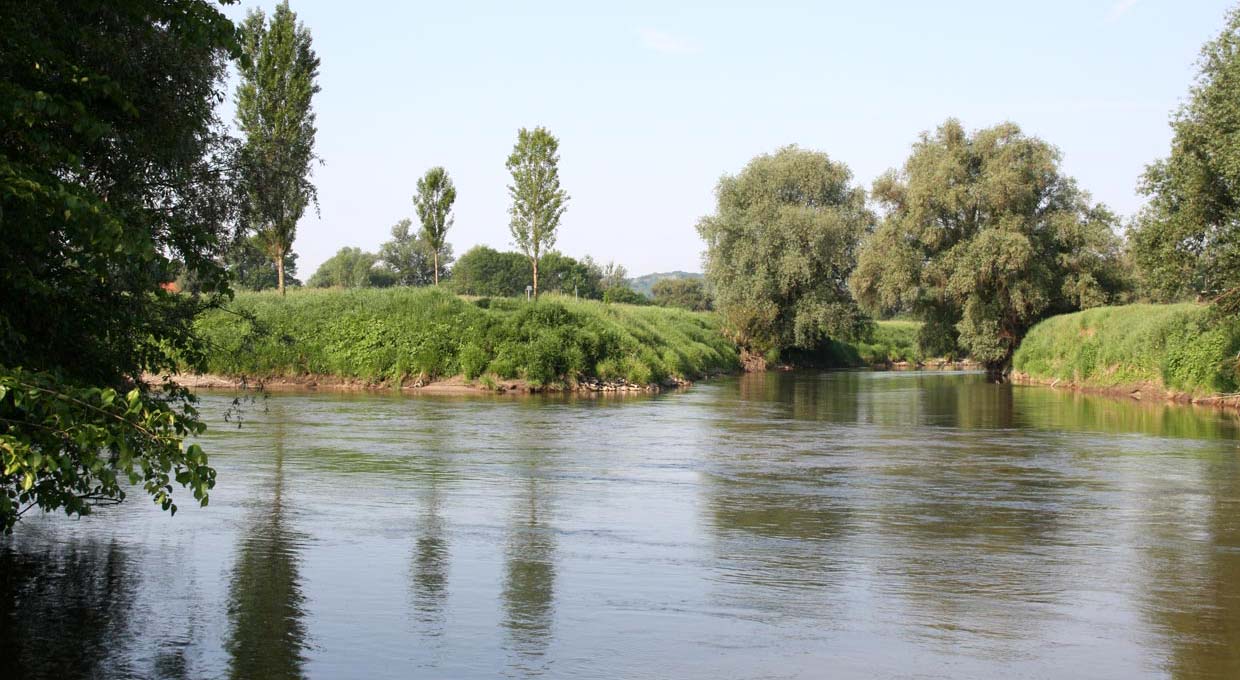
{"x": 1181, "y": 347}
{"x": 684, "y": 293}
{"x": 400, "y": 333}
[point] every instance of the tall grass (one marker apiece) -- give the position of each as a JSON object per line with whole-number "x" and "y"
{"x": 396, "y": 334}
{"x": 1180, "y": 347}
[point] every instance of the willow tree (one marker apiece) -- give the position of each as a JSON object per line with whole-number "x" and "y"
{"x": 779, "y": 249}
{"x": 433, "y": 203}
{"x": 278, "y": 84}
{"x": 1187, "y": 240}
{"x": 983, "y": 237}
{"x": 538, "y": 202}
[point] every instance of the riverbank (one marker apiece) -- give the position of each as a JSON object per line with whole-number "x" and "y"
{"x": 1177, "y": 352}
{"x": 427, "y": 339}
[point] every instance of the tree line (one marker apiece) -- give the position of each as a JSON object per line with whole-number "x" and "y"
{"x": 979, "y": 234}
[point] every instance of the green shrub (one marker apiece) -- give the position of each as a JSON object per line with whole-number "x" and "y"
{"x": 397, "y": 333}
{"x": 1182, "y": 347}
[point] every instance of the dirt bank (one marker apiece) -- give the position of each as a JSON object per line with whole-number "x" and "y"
{"x": 1136, "y": 391}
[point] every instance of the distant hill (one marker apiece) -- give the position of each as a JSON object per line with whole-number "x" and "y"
{"x": 644, "y": 284}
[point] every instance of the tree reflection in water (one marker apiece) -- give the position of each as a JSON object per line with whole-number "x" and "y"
{"x": 267, "y": 638}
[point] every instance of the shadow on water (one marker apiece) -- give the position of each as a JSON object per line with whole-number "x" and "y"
{"x": 66, "y": 609}
{"x": 267, "y": 638}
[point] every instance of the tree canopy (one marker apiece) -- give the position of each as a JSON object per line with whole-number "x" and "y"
{"x": 278, "y": 83}
{"x": 686, "y": 293}
{"x": 984, "y": 236}
{"x": 1187, "y": 239}
{"x": 780, "y": 247}
{"x": 113, "y": 179}
{"x": 352, "y": 268}
{"x": 433, "y": 203}
{"x": 486, "y": 271}
{"x": 412, "y": 260}
{"x": 538, "y": 202}
{"x": 251, "y": 268}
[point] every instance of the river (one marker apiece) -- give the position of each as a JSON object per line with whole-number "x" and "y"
{"x": 780, "y": 525}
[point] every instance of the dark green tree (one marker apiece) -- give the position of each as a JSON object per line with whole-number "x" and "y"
{"x": 433, "y": 202}
{"x": 412, "y": 259}
{"x": 274, "y": 114}
{"x": 566, "y": 275}
{"x": 251, "y": 268}
{"x": 983, "y": 237}
{"x": 780, "y": 247}
{"x": 488, "y": 272}
{"x": 538, "y": 202}
{"x": 112, "y": 180}
{"x": 1187, "y": 239}
{"x": 686, "y": 293}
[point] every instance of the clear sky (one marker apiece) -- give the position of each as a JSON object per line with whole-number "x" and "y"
{"x": 654, "y": 101}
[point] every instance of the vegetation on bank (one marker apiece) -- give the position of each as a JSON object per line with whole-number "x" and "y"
{"x": 1182, "y": 348}
{"x": 398, "y": 334}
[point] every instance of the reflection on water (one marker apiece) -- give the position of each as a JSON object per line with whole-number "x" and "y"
{"x": 788, "y": 525}
{"x": 529, "y": 556}
{"x": 267, "y": 637}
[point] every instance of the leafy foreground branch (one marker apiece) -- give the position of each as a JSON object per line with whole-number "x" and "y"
{"x": 72, "y": 447}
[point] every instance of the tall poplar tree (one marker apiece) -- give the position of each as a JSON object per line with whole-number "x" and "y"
{"x": 537, "y": 199}
{"x": 433, "y": 203}
{"x": 278, "y": 82}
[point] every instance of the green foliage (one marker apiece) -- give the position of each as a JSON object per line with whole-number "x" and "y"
{"x": 352, "y": 268}
{"x": 394, "y": 334}
{"x": 487, "y": 271}
{"x": 780, "y": 247}
{"x": 278, "y": 82}
{"x": 684, "y": 293}
{"x": 1187, "y": 239}
{"x": 1182, "y": 347}
{"x": 562, "y": 274}
{"x": 433, "y": 203}
{"x": 645, "y": 284}
{"x": 983, "y": 237}
{"x": 412, "y": 260}
{"x": 538, "y": 202}
{"x": 624, "y": 295}
{"x": 887, "y": 342}
{"x": 251, "y": 268}
{"x": 111, "y": 183}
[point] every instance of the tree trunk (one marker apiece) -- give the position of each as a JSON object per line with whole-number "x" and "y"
{"x": 535, "y": 277}
{"x": 436, "y": 267}
{"x": 280, "y": 272}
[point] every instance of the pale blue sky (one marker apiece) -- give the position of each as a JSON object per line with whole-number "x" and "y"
{"x": 654, "y": 101}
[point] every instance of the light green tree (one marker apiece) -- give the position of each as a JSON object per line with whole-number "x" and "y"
{"x": 538, "y": 202}
{"x": 983, "y": 237}
{"x": 1187, "y": 239}
{"x": 779, "y": 250}
{"x": 433, "y": 203}
{"x": 274, "y": 114}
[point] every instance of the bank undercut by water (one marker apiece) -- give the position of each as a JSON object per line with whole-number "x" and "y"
{"x": 1181, "y": 351}
{"x": 399, "y": 336}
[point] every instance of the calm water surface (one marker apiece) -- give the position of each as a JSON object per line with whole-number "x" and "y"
{"x": 847, "y": 525}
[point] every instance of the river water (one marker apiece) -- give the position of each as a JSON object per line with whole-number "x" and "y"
{"x": 802, "y": 525}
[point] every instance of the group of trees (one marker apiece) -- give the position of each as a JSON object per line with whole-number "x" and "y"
{"x": 981, "y": 235}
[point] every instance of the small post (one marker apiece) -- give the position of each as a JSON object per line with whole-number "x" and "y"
{"x": 528, "y": 291}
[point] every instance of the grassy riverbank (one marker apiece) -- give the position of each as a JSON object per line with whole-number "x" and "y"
{"x": 1180, "y": 349}
{"x": 405, "y": 334}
